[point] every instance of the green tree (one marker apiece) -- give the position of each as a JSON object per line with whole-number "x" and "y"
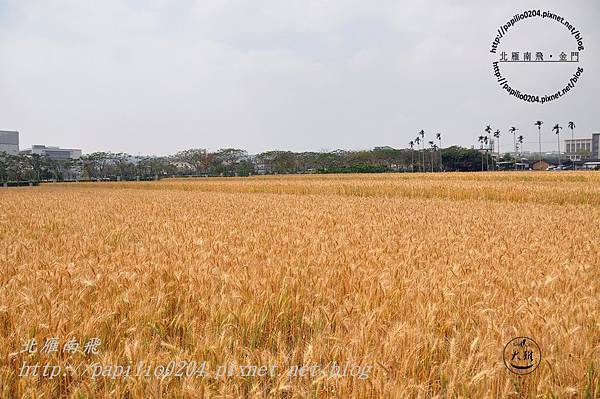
{"x": 462, "y": 159}
{"x": 197, "y": 158}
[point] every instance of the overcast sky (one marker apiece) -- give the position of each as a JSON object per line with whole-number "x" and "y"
{"x": 158, "y": 76}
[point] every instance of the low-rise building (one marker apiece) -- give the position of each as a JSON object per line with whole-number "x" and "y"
{"x": 9, "y": 142}
{"x": 263, "y": 164}
{"x": 542, "y": 164}
{"x": 54, "y": 153}
{"x": 578, "y": 148}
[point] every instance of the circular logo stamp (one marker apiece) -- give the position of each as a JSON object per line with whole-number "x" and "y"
{"x": 522, "y": 355}
{"x": 537, "y": 56}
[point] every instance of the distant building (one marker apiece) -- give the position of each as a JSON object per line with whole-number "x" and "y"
{"x": 183, "y": 166}
{"x": 384, "y": 148}
{"x": 540, "y": 165}
{"x": 53, "y": 153}
{"x": 578, "y": 148}
{"x": 596, "y": 145}
{"x": 263, "y": 164}
{"x": 9, "y": 142}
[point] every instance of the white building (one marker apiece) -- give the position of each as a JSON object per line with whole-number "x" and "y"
{"x": 578, "y": 148}
{"x": 9, "y": 142}
{"x": 583, "y": 148}
{"x": 54, "y": 153}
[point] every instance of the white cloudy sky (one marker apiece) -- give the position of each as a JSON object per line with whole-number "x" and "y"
{"x": 158, "y": 76}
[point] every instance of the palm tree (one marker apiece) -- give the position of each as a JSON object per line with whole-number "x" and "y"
{"x": 438, "y": 136}
{"x": 513, "y": 130}
{"x": 539, "y": 126}
{"x": 488, "y": 130}
{"x": 520, "y": 144}
{"x": 520, "y": 141}
{"x": 481, "y": 140}
{"x": 572, "y": 127}
{"x": 556, "y": 129}
{"x": 422, "y": 134}
{"x": 431, "y": 143}
{"x": 412, "y": 155}
{"x": 497, "y": 135}
{"x": 417, "y": 141}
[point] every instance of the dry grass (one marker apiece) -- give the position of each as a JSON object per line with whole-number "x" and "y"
{"x": 425, "y": 277}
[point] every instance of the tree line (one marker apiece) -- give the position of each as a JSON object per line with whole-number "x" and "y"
{"x": 234, "y": 162}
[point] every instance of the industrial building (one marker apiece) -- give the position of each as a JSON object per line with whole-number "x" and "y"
{"x": 9, "y": 142}
{"x": 53, "y": 153}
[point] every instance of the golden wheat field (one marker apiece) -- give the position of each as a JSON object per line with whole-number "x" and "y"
{"x": 336, "y": 286}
